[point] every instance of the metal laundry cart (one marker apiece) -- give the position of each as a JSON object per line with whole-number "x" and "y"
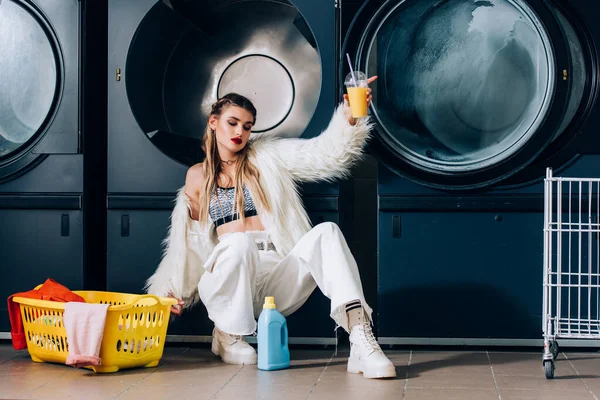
{"x": 571, "y": 306}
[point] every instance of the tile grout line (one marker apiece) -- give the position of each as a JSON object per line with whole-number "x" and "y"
{"x": 580, "y": 377}
{"x": 320, "y": 376}
{"x": 31, "y": 392}
{"x": 406, "y": 379}
{"x": 227, "y": 383}
{"x": 10, "y": 359}
{"x": 493, "y": 375}
{"x": 154, "y": 370}
{"x": 132, "y": 385}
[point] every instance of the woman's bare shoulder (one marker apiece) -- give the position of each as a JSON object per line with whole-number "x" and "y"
{"x": 194, "y": 178}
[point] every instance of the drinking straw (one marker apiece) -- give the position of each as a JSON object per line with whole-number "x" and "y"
{"x": 351, "y": 70}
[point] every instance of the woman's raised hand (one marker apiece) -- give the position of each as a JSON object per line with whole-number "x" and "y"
{"x": 347, "y": 111}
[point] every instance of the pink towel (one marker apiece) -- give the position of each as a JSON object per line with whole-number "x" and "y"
{"x": 84, "y": 324}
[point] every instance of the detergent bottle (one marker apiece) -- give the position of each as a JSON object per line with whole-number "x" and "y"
{"x": 273, "y": 352}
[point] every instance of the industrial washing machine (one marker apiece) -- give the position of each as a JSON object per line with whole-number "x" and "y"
{"x": 41, "y": 146}
{"x": 475, "y": 98}
{"x": 168, "y": 61}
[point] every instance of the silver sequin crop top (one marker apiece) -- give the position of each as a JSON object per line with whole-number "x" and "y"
{"x": 221, "y": 205}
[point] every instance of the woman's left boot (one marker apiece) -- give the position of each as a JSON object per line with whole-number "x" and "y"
{"x": 366, "y": 356}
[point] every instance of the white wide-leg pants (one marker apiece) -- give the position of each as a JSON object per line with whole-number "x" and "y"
{"x": 239, "y": 276}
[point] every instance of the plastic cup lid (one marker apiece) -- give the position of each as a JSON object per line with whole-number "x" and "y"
{"x": 359, "y": 77}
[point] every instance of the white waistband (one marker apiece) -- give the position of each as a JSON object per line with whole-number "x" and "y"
{"x": 261, "y": 238}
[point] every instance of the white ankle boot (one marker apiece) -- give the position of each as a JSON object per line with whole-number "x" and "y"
{"x": 365, "y": 354}
{"x": 233, "y": 349}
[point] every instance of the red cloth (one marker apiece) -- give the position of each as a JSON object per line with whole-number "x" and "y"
{"x": 50, "y": 290}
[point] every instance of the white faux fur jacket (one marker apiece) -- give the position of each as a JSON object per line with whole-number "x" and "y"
{"x": 282, "y": 163}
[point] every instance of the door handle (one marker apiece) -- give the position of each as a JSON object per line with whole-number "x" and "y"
{"x": 64, "y": 225}
{"x": 125, "y": 225}
{"x": 396, "y": 226}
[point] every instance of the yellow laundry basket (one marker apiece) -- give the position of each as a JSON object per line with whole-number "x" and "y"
{"x": 134, "y": 333}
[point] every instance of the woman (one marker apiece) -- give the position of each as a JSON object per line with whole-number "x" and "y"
{"x": 231, "y": 260}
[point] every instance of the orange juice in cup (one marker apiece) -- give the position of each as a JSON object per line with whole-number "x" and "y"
{"x": 358, "y": 101}
{"x": 356, "y": 86}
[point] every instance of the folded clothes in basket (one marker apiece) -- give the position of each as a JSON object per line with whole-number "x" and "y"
{"x": 84, "y": 324}
{"x": 50, "y": 290}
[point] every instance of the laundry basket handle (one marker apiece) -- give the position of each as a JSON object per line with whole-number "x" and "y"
{"x": 143, "y": 299}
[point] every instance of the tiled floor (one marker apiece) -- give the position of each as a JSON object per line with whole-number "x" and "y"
{"x": 194, "y": 373}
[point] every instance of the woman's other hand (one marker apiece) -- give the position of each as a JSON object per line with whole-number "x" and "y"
{"x": 347, "y": 111}
{"x": 177, "y": 308}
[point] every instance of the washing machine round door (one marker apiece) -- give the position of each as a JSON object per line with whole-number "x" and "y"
{"x": 187, "y": 54}
{"x": 30, "y": 80}
{"x": 469, "y": 91}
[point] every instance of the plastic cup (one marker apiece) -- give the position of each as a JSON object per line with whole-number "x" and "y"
{"x": 356, "y": 86}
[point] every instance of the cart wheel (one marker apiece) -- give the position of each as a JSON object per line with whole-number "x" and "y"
{"x": 549, "y": 369}
{"x": 554, "y": 348}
